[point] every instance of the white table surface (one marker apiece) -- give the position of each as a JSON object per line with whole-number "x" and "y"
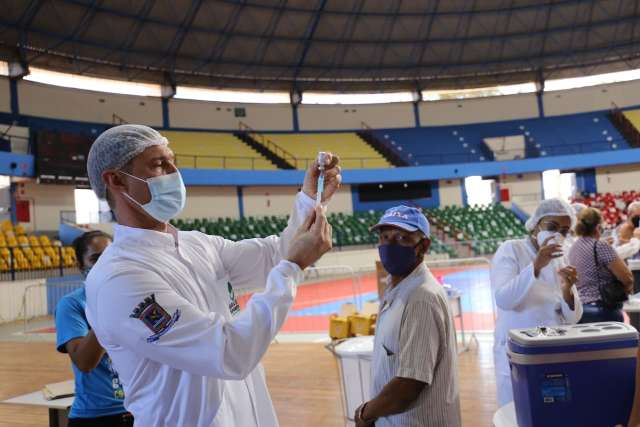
{"x": 505, "y": 416}
{"x": 37, "y": 399}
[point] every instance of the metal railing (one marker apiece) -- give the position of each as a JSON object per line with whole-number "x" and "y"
{"x": 346, "y": 162}
{"x": 16, "y": 270}
{"x": 544, "y": 151}
{"x": 40, "y": 300}
{"x": 625, "y": 126}
{"x": 269, "y": 144}
{"x": 197, "y": 161}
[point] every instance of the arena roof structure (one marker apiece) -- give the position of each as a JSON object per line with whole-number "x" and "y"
{"x": 324, "y": 45}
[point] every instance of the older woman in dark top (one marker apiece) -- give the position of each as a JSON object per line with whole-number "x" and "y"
{"x": 597, "y": 264}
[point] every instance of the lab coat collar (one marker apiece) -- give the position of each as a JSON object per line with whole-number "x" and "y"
{"x": 123, "y": 232}
{"x": 529, "y": 245}
{"x": 408, "y": 284}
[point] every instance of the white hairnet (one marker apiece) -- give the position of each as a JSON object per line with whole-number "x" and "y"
{"x": 551, "y": 207}
{"x": 115, "y": 147}
{"x": 633, "y": 206}
{"x": 577, "y": 207}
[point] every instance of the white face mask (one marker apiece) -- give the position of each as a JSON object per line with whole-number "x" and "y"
{"x": 557, "y": 239}
{"x": 544, "y": 235}
{"x": 168, "y": 196}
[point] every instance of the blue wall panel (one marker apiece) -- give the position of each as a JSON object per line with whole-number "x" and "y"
{"x": 417, "y": 173}
{"x": 586, "y": 181}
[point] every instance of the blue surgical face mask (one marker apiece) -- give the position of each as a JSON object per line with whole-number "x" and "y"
{"x": 398, "y": 260}
{"x": 168, "y": 196}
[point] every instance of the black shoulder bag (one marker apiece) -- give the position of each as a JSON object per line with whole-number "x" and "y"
{"x": 612, "y": 294}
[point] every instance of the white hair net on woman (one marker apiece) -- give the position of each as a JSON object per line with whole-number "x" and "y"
{"x": 633, "y": 206}
{"x": 551, "y": 207}
{"x": 115, "y": 147}
{"x": 577, "y": 207}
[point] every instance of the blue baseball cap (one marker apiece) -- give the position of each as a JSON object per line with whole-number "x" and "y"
{"x": 404, "y": 217}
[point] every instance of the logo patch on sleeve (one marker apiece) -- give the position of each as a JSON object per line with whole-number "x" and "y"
{"x": 156, "y": 318}
{"x": 234, "y": 307}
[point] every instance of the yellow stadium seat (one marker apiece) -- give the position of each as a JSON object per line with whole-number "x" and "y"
{"x": 214, "y": 150}
{"x": 44, "y": 240}
{"x": 6, "y": 225}
{"x": 33, "y": 241}
{"x": 634, "y": 117}
{"x": 23, "y": 241}
{"x": 353, "y": 151}
{"x": 36, "y": 263}
{"x": 46, "y": 262}
{"x": 19, "y": 229}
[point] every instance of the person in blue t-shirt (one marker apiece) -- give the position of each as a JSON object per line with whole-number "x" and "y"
{"x": 99, "y": 399}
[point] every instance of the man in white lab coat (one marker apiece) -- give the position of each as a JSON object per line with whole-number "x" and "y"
{"x": 162, "y": 303}
{"x": 531, "y": 284}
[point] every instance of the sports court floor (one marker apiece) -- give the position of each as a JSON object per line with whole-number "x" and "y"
{"x": 302, "y": 374}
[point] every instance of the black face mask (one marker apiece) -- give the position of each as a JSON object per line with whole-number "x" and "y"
{"x": 635, "y": 220}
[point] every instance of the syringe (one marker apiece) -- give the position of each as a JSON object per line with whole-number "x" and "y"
{"x": 322, "y": 163}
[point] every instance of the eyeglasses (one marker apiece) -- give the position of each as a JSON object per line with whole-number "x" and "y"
{"x": 554, "y": 227}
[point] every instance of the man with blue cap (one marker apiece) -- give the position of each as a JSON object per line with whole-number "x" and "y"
{"x": 413, "y": 370}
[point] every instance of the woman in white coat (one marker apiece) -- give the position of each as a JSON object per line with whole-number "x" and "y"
{"x": 532, "y": 285}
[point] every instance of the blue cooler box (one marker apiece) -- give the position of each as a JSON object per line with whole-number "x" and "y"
{"x": 578, "y": 375}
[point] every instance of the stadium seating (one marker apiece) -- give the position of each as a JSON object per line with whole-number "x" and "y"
{"x": 353, "y": 151}
{"x": 634, "y": 117}
{"x": 348, "y": 229}
{"x": 612, "y": 206}
{"x": 549, "y": 136}
{"x": 30, "y": 252}
{"x": 214, "y": 150}
{"x": 484, "y": 227}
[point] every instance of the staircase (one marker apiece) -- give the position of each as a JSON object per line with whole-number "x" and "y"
{"x": 367, "y": 135}
{"x": 625, "y": 127}
{"x": 267, "y": 148}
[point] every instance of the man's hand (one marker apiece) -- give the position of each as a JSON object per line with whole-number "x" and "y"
{"x": 545, "y": 254}
{"x": 358, "y": 417}
{"x": 332, "y": 178}
{"x": 568, "y": 276}
{"x": 312, "y": 240}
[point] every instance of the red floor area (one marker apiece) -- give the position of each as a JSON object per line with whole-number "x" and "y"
{"x": 336, "y": 290}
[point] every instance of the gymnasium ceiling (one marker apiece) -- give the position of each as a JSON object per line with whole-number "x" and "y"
{"x": 336, "y": 45}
